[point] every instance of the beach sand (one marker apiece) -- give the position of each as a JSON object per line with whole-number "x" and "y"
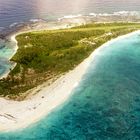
{"x": 18, "y": 115}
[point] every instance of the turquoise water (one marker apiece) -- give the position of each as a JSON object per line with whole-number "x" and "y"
{"x": 6, "y": 52}
{"x": 106, "y": 104}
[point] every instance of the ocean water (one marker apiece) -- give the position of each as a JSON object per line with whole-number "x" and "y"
{"x": 15, "y": 11}
{"x": 105, "y": 105}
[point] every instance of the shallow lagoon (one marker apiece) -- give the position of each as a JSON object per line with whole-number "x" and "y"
{"x": 106, "y": 104}
{"x": 7, "y": 50}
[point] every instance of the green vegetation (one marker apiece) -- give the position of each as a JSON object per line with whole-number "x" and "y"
{"x": 45, "y": 55}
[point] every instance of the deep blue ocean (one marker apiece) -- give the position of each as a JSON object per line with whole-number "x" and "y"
{"x": 15, "y": 11}
{"x": 105, "y": 105}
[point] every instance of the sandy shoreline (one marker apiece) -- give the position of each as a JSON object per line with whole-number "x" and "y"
{"x": 18, "y": 115}
{"x": 14, "y": 114}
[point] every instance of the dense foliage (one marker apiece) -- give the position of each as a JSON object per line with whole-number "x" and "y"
{"x": 52, "y": 51}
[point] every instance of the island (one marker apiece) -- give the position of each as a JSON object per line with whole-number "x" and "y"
{"x": 49, "y": 65}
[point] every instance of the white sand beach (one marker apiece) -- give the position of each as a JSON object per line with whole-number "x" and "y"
{"x": 18, "y": 115}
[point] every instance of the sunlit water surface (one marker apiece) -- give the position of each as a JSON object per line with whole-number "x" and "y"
{"x": 12, "y": 11}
